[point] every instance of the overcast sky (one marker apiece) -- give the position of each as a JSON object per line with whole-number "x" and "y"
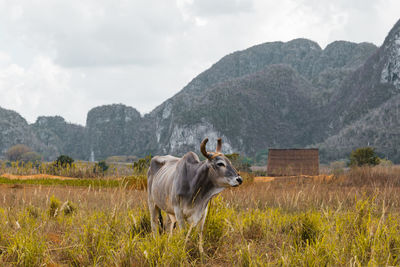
{"x": 66, "y": 57}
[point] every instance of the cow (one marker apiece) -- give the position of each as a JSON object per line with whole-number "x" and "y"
{"x": 183, "y": 187}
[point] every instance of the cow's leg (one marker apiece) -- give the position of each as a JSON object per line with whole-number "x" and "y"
{"x": 202, "y": 222}
{"x": 188, "y": 234}
{"x": 172, "y": 220}
{"x": 179, "y": 217}
{"x": 155, "y": 214}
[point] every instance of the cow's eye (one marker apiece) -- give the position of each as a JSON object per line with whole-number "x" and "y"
{"x": 220, "y": 164}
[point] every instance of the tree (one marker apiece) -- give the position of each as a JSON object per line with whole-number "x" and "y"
{"x": 15, "y": 153}
{"x": 63, "y": 161}
{"x": 364, "y": 156}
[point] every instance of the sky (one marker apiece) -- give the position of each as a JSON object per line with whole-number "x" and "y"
{"x": 66, "y": 57}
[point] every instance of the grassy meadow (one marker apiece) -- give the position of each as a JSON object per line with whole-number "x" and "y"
{"x": 349, "y": 219}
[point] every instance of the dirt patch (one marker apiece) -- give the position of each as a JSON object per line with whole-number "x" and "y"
{"x": 263, "y": 179}
{"x": 34, "y": 176}
{"x": 316, "y": 178}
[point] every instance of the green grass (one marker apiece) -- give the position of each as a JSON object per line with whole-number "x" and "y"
{"x": 138, "y": 182}
{"x": 72, "y": 182}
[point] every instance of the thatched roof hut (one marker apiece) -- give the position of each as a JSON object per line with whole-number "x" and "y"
{"x": 284, "y": 162}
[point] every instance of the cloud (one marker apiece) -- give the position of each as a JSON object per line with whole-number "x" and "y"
{"x": 41, "y": 87}
{"x": 209, "y": 8}
{"x": 92, "y": 33}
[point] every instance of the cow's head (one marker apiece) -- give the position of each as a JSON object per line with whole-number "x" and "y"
{"x": 222, "y": 173}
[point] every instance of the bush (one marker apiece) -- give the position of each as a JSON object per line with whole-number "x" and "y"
{"x": 15, "y": 153}
{"x": 141, "y": 166}
{"x": 63, "y": 161}
{"x": 101, "y": 166}
{"x": 364, "y": 156}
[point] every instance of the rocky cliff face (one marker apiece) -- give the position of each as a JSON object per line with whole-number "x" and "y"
{"x": 391, "y": 57}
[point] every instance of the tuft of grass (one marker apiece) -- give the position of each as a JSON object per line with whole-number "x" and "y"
{"x": 54, "y": 206}
{"x": 68, "y": 208}
{"x": 141, "y": 224}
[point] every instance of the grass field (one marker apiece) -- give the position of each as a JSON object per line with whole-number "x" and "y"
{"x": 351, "y": 219}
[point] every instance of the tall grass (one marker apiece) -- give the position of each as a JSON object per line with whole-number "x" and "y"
{"x": 298, "y": 222}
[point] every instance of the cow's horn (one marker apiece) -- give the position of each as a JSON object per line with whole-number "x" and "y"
{"x": 203, "y": 148}
{"x": 219, "y": 146}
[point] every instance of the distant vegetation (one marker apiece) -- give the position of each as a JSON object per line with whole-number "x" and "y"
{"x": 142, "y": 165}
{"x": 125, "y": 159}
{"x": 240, "y": 163}
{"x": 64, "y": 161}
{"x": 22, "y": 153}
{"x": 101, "y": 166}
{"x": 364, "y": 156}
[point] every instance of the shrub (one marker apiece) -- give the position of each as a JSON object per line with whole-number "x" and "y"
{"x": 364, "y": 156}
{"x": 141, "y": 166}
{"x": 101, "y": 166}
{"x": 63, "y": 161}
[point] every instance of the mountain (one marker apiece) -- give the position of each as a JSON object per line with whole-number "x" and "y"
{"x": 379, "y": 128}
{"x": 15, "y": 130}
{"x": 59, "y": 137}
{"x": 117, "y": 130}
{"x": 365, "y": 109}
{"x": 266, "y": 95}
{"x": 276, "y": 94}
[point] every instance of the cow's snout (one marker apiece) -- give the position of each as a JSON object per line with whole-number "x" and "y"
{"x": 239, "y": 180}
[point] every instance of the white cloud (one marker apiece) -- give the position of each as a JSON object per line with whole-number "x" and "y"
{"x": 65, "y": 57}
{"x": 42, "y": 87}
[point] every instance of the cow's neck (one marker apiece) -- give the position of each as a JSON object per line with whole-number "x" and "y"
{"x": 204, "y": 189}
